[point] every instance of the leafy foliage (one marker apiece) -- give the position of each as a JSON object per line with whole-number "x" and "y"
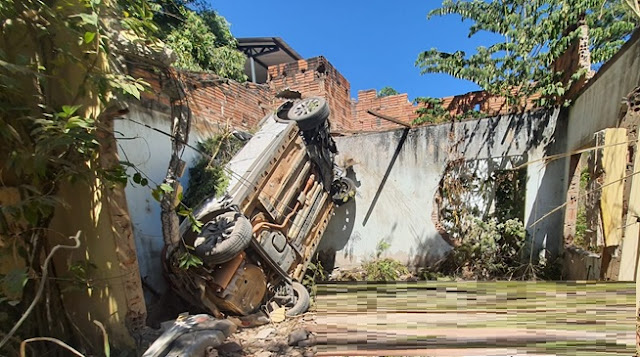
{"x": 533, "y": 35}
{"x": 47, "y": 128}
{"x": 489, "y": 250}
{"x": 510, "y": 190}
{"x": 383, "y": 269}
{"x": 315, "y": 274}
{"x": 431, "y": 111}
{"x": 188, "y": 260}
{"x": 583, "y": 225}
{"x": 207, "y": 177}
{"x": 203, "y": 42}
{"x": 58, "y": 73}
{"x": 386, "y": 91}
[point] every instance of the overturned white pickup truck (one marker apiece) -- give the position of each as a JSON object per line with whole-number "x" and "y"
{"x": 258, "y": 240}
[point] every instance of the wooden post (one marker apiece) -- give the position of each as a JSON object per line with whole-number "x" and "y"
{"x": 629, "y": 256}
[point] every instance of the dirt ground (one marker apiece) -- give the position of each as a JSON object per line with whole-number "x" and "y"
{"x": 270, "y": 340}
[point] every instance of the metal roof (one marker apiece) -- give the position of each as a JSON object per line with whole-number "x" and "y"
{"x": 265, "y": 51}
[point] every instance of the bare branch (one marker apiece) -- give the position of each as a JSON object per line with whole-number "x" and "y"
{"x": 23, "y": 345}
{"x": 43, "y": 280}
{"x": 105, "y": 338}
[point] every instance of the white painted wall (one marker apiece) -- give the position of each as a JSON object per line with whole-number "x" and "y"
{"x": 401, "y": 212}
{"x": 149, "y": 151}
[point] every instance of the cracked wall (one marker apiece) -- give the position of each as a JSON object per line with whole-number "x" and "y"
{"x": 398, "y": 173}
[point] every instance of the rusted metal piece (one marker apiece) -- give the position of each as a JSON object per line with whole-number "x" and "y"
{"x": 391, "y": 119}
{"x": 257, "y": 227}
{"x": 295, "y": 187}
{"x": 223, "y": 274}
{"x": 244, "y": 293}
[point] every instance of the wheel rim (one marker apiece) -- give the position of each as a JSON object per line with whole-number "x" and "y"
{"x": 221, "y": 228}
{"x": 344, "y": 188}
{"x": 306, "y": 107}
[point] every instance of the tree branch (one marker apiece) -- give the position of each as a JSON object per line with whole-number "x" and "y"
{"x": 23, "y": 345}
{"x": 43, "y": 280}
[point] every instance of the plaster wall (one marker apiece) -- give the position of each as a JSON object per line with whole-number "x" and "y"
{"x": 149, "y": 150}
{"x": 398, "y": 172}
{"x": 600, "y": 105}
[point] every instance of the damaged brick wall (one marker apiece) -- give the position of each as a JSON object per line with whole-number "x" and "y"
{"x": 576, "y": 57}
{"x": 316, "y": 76}
{"x": 396, "y": 106}
{"x": 217, "y": 101}
{"x": 214, "y": 101}
{"x": 491, "y": 105}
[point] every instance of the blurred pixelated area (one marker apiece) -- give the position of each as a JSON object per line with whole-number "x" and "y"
{"x": 476, "y": 318}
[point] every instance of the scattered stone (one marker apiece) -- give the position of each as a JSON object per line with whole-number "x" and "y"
{"x": 211, "y": 352}
{"x": 310, "y": 341}
{"x": 256, "y": 319}
{"x": 308, "y": 353}
{"x": 297, "y": 336}
{"x": 263, "y": 354}
{"x": 230, "y": 347}
{"x": 235, "y": 320}
{"x": 288, "y": 349}
{"x": 275, "y": 347}
{"x": 265, "y": 333}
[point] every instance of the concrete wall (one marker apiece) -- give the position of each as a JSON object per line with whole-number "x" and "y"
{"x": 601, "y": 105}
{"x": 398, "y": 172}
{"x": 149, "y": 150}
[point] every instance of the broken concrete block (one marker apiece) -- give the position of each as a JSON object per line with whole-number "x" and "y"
{"x": 230, "y": 347}
{"x": 310, "y": 341}
{"x": 297, "y": 336}
{"x": 265, "y": 333}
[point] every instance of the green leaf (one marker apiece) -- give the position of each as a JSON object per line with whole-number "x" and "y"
{"x": 13, "y": 283}
{"x": 137, "y": 177}
{"x": 68, "y": 110}
{"x": 166, "y": 188}
{"x": 77, "y": 122}
{"x": 157, "y": 194}
{"x": 89, "y": 36}
{"x": 144, "y": 182}
{"x": 30, "y": 213}
{"x": 195, "y": 223}
{"x": 87, "y": 19}
{"x": 187, "y": 260}
{"x": 131, "y": 89}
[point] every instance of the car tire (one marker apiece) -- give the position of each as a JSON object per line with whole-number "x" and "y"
{"x": 303, "y": 300}
{"x": 223, "y": 238}
{"x": 343, "y": 189}
{"x": 309, "y": 113}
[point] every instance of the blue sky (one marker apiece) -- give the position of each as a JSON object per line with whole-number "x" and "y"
{"x": 372, "y": 43}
